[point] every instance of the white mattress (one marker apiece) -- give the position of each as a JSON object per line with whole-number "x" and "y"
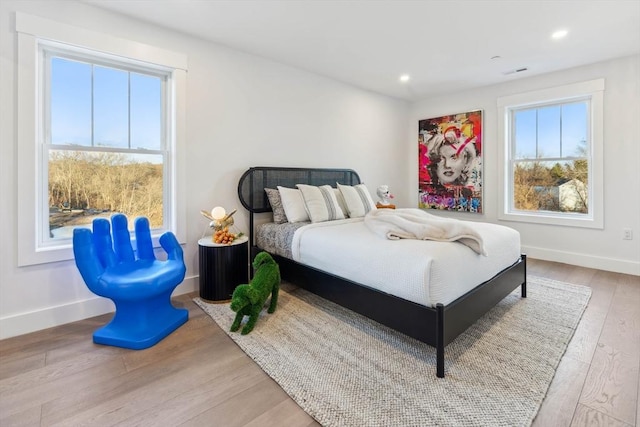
{"x": 425, "y": 272}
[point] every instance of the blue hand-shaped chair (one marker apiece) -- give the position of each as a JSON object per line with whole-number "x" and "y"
{"x": 140, "y": 287}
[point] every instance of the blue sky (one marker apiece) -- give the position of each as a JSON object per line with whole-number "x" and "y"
{"x": 560, "y": 131}
{"x": 72, "y": 101}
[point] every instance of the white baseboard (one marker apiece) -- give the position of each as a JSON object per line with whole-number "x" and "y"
{"x": 582, "y": 260}
{"x": 25, "y": 323}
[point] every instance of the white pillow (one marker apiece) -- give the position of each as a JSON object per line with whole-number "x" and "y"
{"x": 321, "y": 203}
{"x": 341, "y": 203}
{"x": 357, "y": 199}
{"x": 293, "y": 204}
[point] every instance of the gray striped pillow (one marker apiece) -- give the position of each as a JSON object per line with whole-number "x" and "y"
{"x": 320, "y": 202}
{"x": 357, "y": 199}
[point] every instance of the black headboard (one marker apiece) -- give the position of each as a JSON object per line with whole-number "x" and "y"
{"x": 253, "y": 182}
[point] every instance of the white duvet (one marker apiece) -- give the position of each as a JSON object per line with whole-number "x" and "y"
{"x": 425, "y": 272}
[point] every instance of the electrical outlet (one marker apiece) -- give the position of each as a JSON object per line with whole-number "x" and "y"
{"x": 627, "y": 234}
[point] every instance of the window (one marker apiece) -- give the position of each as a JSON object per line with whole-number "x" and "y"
{"x": 104, "y": 145}
{"x": 101, "y": 134}
{"x": 552, "y": 150}
{"x": 549, "y": 162}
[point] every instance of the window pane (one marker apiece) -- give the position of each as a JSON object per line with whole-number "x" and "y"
{"x": 525, "y": 134}
{"x": 574, "y": 129}
{"x": 111, "y": 107}
{"x": 551, "y": 186}
{"x": 70, "y": 102}
{"x": 146, "y": 103}
{"x": 549, "y": 132}
{"x": 86, "y": 185}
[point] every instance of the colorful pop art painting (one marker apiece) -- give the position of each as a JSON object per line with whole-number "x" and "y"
{"x": 450, "y": 162}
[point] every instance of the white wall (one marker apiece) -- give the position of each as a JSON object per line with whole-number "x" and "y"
{"x": 243, "y": 111}
{"x": 247, "y": 111}
{"x": 602, "y": 249}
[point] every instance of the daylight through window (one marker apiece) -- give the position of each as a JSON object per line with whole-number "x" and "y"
{"x": 550, "y": 158}
{"x": 105, "y": 149}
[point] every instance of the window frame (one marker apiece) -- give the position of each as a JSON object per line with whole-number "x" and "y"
{"x": 593, "y": 92}
{"x": 35, "y": 34}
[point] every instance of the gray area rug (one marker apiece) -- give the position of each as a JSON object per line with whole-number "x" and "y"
{"x": 346, "y": 370}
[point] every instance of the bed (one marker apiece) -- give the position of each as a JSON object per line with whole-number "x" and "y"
{"x": 435, "y": 317}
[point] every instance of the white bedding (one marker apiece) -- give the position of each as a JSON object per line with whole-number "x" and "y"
{"x": 397, "y": 224}
{"x": 422, "y": 271}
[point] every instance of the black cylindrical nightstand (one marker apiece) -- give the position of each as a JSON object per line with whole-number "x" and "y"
{"x": 222, "y": 268}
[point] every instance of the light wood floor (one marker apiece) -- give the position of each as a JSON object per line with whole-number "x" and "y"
{"x": 198, "y": 377}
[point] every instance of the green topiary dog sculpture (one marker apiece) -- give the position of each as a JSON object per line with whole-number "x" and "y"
{"x": 248, "y": 300}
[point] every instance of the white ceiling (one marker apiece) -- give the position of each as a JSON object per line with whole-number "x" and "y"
{"x": 444, "y": 45}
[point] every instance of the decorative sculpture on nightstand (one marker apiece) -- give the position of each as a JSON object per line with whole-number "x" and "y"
{"x": 220, "y": 223}
{"x": 219, "y": 217}
{"x": 138, "y": 284}
{"x": 385, "y": 197}
{"x": 248, "y": 300}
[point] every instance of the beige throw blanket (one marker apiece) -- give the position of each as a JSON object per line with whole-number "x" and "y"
{"x": 417, "y": 224}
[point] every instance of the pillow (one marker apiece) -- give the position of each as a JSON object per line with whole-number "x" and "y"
{"x": 293, "y": 204}
{"x": 320, "y": 202}
{"x": 341, "y": 203}
{"x": 279, "y": 216}
{"x": 358, "y": 200}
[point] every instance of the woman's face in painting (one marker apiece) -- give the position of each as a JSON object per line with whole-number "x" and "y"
{"x": 450, "y": 165}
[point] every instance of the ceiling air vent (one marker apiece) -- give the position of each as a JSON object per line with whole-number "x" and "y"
{"x": 517, "y": 70}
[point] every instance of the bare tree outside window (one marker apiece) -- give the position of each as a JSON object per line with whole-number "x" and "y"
{"x": 85, "y": 185}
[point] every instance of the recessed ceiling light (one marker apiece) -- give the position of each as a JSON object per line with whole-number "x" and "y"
{"x": 404, "y": 78}
{"x": 559, "y": 34}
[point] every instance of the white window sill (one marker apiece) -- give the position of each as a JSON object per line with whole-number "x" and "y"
{"x": 551, "y": 218}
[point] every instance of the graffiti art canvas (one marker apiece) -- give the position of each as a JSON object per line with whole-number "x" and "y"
{"x": 450, "y": 162}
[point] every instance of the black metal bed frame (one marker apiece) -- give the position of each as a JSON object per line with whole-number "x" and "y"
{"x": 436, "y": 327}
